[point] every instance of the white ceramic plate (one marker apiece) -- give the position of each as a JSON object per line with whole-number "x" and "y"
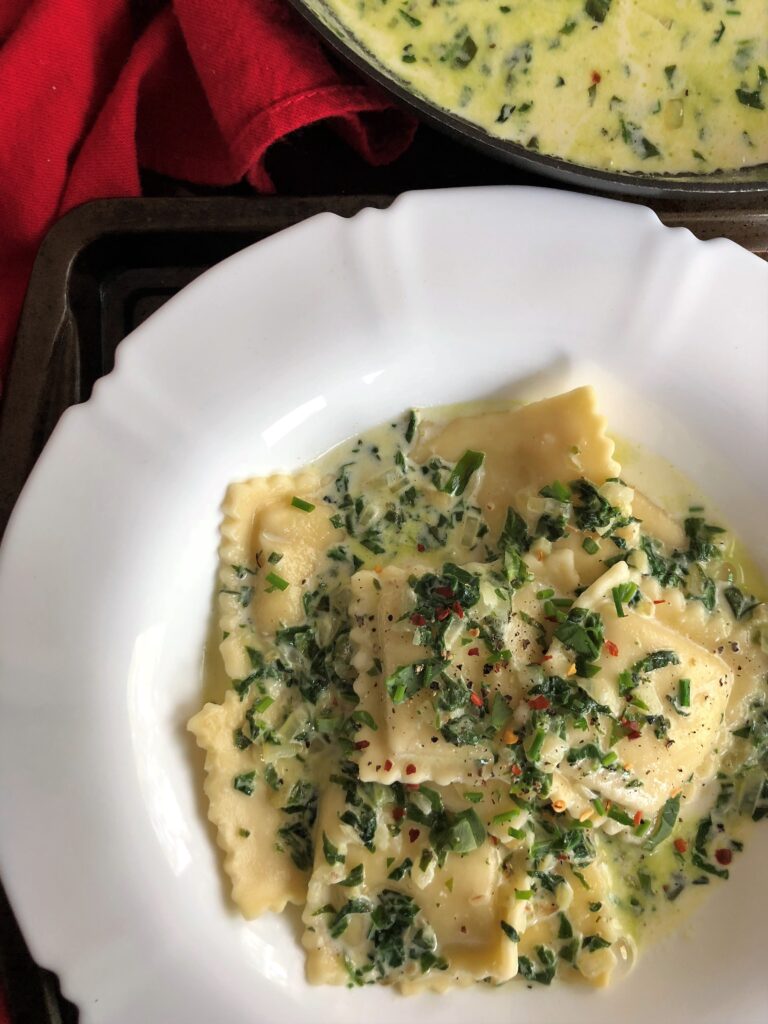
{"x": 108, "y": 566}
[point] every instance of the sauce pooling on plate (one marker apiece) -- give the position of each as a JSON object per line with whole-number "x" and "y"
{"x": 623, "y": 85}
{"x": 493, "y": 713}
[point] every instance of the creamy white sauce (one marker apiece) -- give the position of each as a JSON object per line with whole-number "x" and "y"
{"x": 406, "y": 749}
{"x": 622, "y": 85}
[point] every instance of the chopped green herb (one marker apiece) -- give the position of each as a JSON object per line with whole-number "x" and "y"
{"x": 621, "y": 595}
{"x": 244, "y": 783}
{"x": 303, "y": 506}
{"x": 365, "y": 718}
{"x": 359, "y": 905}
{"x": 684, "y": 693}
{"x": 742, "y": 605}
{"x": 354, "y": 878}
{"x": 549, "y": 962}
{"x": 556, "y": 490}
{"x": 413, "y": 22}
{"x": 583, "y": 633}
{"x": 597, "y": 9}
{"x": 398, "y": 873}
{"x": 653, "y": 661}
{"x": 753, "y": 97}
{"x": 410, "y": 427}
{"x": 461, "y": 52}
{"x": 276, "y": 582}
{"x": 594, "y": 942}
{"x": 460, "y": 475}
{"x": 331, "y": 852}
{"x": 700, "y": 535}
{"x": 664, "y": 823}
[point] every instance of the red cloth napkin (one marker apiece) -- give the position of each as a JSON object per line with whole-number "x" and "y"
{"x": 200, "y": 94}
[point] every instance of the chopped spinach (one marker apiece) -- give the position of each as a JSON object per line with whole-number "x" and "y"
{"x": 742, "y": 605}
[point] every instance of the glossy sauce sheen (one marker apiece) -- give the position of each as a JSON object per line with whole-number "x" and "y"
{"x": 417, "y": 746}
{"x": 658, "y": 86}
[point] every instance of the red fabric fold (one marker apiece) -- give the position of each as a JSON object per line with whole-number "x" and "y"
{"x": 200, "y": 94}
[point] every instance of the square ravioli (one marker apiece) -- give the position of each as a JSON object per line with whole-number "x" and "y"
{"x": 526, "y": 448}
{"x": 395, "y": 904}
{"x": 246, "y": 812}
{"x": 666, "y": 695}
{"x": 434, "y": 711}
{"x": 270, "y": 551}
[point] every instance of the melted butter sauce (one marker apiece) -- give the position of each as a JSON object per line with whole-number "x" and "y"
{"x": 623, "y": 85}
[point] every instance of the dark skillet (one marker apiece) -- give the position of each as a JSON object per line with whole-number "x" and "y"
{"x": 750, "y": 180}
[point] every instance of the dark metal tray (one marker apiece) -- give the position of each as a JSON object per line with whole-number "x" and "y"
{"x": 102, "y": 271}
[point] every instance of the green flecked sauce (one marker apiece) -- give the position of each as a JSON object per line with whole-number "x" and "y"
{"x": 565, "y": 787}
{"x": 657, "y": 86}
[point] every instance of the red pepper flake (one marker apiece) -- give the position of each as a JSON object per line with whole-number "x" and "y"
{"x": 612, "y": 649}
{"x": 538, "y": 703}
{"x": 442, "y": 613}
{"x": 596, "y": 78}
{"x": 723, "y": 856}
{"x": 445, "y": 592}
{"x": 637, "y": 818}
{"x": 516, "y": 769}
{"x": 420, "y": 547}
{"x": 362, "y": 744}
{"x": 476, "y": 699}
{"x": 387, "y": 765}
{"x": 410, "y": 769}
{"x": 494, "y": 840}
{"x": 473, "y": 651}
{"x": 418, "y": 620}
{"x": 398, "y": 813}
{"x": 680, "y": 845}
{"x": 413, "y": 834}
{"x": 458, "y": 609}
{"x": 661, "y": 601}
{"x": 633, "y": 731}
{"x": 547, "y": 657}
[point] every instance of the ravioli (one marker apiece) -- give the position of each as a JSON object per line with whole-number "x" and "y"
{"x": 246, "y": 820}
{"x": 260, "y": 521}
{"x": 406, "y": 740}
{"x": 526, "y": 448}
{"x": 457, "y": 906}
{"x": 644, "y": 662}
{"x": 492, "y": 707}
